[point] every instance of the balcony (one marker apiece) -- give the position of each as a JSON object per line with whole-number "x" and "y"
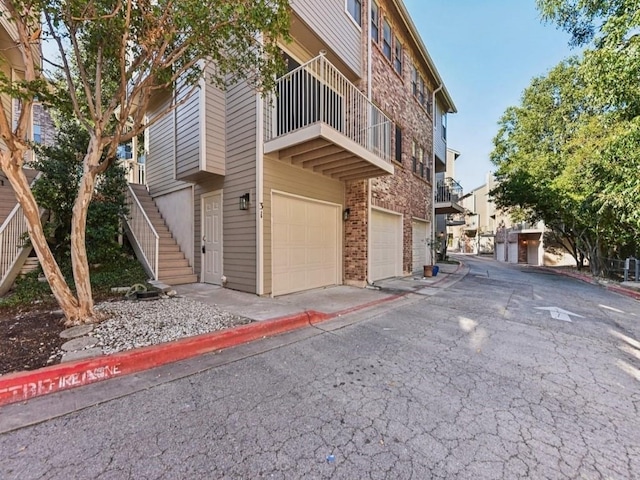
{"x": 448, "y": 193}
{"x": 318, "y": 120}
{"x": 455, "y": 219}
{"x": 528, "y": 227}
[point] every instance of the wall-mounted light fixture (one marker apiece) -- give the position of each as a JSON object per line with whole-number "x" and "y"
{"x": 244, "y": 201}
{"x": 346, "y": 213}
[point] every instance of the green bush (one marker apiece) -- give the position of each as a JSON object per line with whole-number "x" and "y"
{"x": 123, "y": 271}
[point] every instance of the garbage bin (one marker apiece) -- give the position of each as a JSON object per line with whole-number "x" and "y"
{"x": 436, "y": 269}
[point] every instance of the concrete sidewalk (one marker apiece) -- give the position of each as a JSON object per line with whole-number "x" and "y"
{"x": 273, "y": 316}
{"x": 328, "y": 300}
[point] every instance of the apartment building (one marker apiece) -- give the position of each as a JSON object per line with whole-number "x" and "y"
{"x": 327, "y": 181}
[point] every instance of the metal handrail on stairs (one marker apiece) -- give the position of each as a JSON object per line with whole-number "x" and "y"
{"x": 11, "y": 244}
{"x": 13, "y": 250}
{"x": 145, "y": 238}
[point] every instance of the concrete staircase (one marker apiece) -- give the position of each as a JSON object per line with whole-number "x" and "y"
{"x": 173, "y": 267}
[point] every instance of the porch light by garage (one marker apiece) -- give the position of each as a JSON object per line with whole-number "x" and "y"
{"x": 244, "y": 201}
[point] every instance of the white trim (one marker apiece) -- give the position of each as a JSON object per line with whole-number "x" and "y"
{"x": 175, "y": 140}
{"x": 260, "y": 196}
{"x": 339, "y": 233}
{"x": 369, "y": 49}
{"x": 202, "y": 113}
{"x": 369, "y": 208}
{"x": 202, "y": 199}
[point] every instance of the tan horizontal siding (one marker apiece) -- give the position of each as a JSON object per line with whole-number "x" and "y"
{"x": 160, "y": 162}
{"x": 333, "y": 24}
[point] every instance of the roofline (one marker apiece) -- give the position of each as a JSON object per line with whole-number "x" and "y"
{"x": 404, "y": 13}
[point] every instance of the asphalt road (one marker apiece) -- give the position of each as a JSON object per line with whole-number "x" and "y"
{"x": 477, "y": 382}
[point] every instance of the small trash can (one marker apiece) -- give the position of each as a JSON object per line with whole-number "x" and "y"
{"x": 436, "y": 269}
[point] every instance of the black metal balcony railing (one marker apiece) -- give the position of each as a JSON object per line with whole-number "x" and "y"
{"x": 448, "y": 190}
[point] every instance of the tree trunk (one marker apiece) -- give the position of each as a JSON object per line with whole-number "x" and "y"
{"x": 79, "y": 260}
{"x": 61, "y": 291}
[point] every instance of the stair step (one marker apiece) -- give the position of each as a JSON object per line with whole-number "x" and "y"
{"x": 168, "y": 248}
{"x": 177, "y": 255}
{"x": 166, "y": 263}
{"x": 179, "y": 280}
{"x": 30, "y": 264}
{"x": 167, "y": 240}
{"x": 175, "y": 271}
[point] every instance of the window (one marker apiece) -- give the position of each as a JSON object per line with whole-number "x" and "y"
{"x": 386, "y": 39}
{"x": 414, "y": 82}
{"x": 414, "y": 159}
{"x": 398, "y": 144}
{"x": 421, "y": 91}
{"x": 397, "y": 56}
{"x": 37, "y": 134}
{"x": 429, "y": 103}
{"x": 375, "y": 22}
{"x": 354, "y": 7}
{"x": 421, "y": 162}
{"x": 427, "y": 166}
{"x": 444, "y": 126}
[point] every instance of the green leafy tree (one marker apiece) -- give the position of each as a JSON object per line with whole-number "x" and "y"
{"x": 611, "y": 31}
{"x": 114, "y": 56}
{"x": 545, "y": 151}
{"x": 55, "y": 191}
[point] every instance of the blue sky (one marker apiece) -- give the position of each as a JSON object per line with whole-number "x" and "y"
{"x": 487, "y": 52}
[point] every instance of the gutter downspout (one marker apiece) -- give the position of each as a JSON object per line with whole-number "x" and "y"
{"x": 369, "y": 97}
{"x": 433, "y": 165}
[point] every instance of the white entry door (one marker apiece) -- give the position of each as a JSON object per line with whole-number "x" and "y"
{"x": 420, "y": 231}
{"x": 306, "y": 244}
{"x": 386, "y": 245}
{"x": 212, "y": 238}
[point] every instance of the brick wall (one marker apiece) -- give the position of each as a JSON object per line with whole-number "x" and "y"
{"x": 356, "y": 231}
{"x": 404, "y": 192}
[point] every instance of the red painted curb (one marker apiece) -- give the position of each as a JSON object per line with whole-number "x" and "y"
{"x": 584, "y": 278}
{"x": 356, "y": 308}
{"x": 21, "y": 386}
{"x": 624, "y": 291}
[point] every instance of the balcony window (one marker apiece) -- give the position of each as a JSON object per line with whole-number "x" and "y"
{"x": 354, "y": 7}
{"x": 375, "y": 22}
{"x": 386, "y": 39}
{"x": 397, "y": 56}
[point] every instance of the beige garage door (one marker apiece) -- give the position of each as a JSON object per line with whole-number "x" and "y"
{"x": 420, "y": 232}
{"x": 305, "y": 244}
{"x": 386, "y": 245}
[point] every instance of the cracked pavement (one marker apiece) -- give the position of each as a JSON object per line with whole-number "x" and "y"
{"x": 471, "y": 383}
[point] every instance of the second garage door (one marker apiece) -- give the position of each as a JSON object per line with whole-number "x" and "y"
{"x": 305, "y": 244}
{"x": 386, "y": 245}
{"x": 420, "y": 247}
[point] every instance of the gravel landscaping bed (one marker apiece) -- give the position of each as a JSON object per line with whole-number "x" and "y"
{"x": 139, "y": 323}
